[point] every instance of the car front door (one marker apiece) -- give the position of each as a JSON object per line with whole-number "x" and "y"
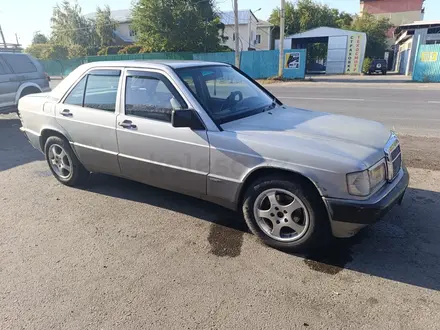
{"x": 151, "y": 150}
{"x": 88, "y": 115}
{"x": 9, "y": 83}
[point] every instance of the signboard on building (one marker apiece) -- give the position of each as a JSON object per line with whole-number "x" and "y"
{"x": 292, "y": 61}
{"x": 355, "y": 47}
{"x": 429, "y": 56}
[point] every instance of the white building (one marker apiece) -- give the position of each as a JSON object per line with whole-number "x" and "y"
{"x": 345, "y": 48}
{"x": 123, "y": 33}
{"x": 253, "y": 33}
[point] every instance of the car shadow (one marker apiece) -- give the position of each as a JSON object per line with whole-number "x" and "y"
{"x": 135, "y": 191}
{"x": 403, "y": 247}
{"x": 15, "y": 150}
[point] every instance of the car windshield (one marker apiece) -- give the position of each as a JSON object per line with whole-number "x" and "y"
{"x": 225, "y": 93}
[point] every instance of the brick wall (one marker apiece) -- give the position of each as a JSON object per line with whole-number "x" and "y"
{"x": 391, "y": 6}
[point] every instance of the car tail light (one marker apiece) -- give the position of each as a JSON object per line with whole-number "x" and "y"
{"x": 47, "y": 76}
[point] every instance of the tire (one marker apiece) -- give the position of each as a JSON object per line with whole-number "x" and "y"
{"x": 311, "y": 214}
{"x": 63, "y": 162}
{"x": 384, "y": 73}
{"x": 29, "y": 90}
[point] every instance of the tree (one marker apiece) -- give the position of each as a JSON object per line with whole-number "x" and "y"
{"x": 376, "y": 30}
{"x": 104, "y": 26}
{"x": 39, "y": 38}
{"x": 47, "y": 51}
{"x": 307, "y": 14}
{"x": 176, "y": 25}
{"x": 70, "y": 27}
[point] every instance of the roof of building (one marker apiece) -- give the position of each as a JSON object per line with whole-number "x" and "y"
{"x": 416, "y": 25}
{"x": 121, "y": 16}
{"x": 264, "y": 23}
{"x": 227, "y": 17}
{"x": 323, "y": 31}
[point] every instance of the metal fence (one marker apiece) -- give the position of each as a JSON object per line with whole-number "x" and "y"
{"x": 257, "y": 64}
{"x": 427, "y": 64}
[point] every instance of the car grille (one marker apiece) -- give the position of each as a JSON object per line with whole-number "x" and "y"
{"x": 393, "y": 157}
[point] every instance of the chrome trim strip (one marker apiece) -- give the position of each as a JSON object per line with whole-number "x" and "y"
{"x": 163, "y": 164}
{"x": 94, "y": 148}
{"x": 27, "y": 130}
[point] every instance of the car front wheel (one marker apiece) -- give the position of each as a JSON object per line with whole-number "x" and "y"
{"x": 63, "y": 162}
{"x": 286, "y": 215}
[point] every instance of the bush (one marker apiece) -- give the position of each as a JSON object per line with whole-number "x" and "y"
{"x": 367, "y": 63}
{"x": 92, "y": 51}
{"x": 37, "y": 50}
{"x": 131, "y": 49}
{"x": 48, "y": 51}
{"x": 110, "y": 50}
{"x": 76, "y": 51}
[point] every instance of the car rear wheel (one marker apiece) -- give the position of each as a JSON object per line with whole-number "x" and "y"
{"x": 63, "y": 162}
{"x": 286, "y": 215}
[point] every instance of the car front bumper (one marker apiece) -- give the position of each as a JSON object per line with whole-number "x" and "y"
{"x": 349, "y": 216}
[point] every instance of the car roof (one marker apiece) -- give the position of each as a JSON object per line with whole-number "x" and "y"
{"x": 159, "y": 64}
{"x": 165, "y": 65}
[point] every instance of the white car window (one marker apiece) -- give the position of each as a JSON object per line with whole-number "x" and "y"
{"x": 148, "y": 97}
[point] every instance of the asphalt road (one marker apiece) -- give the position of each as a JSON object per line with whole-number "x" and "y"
{"x": 408, "y": 110}
{"x": 121, "y": 255}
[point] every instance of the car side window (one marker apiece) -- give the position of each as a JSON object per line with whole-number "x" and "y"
{"x": 76, "y": 95}
{"x": 101, "y": 91}
{"x": 19, "y": 63}
{"x": 97, "y": 90}
{"x": 151, "y": 96}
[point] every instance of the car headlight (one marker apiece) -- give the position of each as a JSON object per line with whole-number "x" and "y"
{"x": 365, "y": 182}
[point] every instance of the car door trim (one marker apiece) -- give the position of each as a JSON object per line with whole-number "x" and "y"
{"x": 163, "y": 164}
{"x": 94, "y": 148}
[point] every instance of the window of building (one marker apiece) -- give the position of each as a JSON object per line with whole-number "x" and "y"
{"x": 258, "y": 39}
{"x": 233, "y": 36}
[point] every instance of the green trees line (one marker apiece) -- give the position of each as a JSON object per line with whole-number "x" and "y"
{"x": 184, "y": 26}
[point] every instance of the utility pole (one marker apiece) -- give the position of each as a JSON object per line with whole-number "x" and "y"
{"x": 3, "y": 37}
{"x": 237, "y": 41}
{"x": 282, "y": 28}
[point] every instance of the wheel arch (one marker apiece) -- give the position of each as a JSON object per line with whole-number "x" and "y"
{"x": 23, "y": 87}
{"x": 48, "y": 132}
{"x": 267, "y": 171}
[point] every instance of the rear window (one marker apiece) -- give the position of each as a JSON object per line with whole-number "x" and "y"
{"x": 19, "y": 63}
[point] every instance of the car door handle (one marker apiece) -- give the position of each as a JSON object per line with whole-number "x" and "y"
{"x": 66, "y": 113}
{"x": 127, "y": 124}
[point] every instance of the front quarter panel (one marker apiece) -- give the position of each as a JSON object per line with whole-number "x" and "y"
{"x": 234, "y": 157}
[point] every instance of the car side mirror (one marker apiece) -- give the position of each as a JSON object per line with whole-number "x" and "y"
{"x": 186, "y": 118}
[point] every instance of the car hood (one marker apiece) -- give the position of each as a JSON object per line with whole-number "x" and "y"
{"x": 350, "y": 137}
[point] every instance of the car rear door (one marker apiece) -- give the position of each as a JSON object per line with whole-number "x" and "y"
{"x": 88, "y": 115}
{"x": 151, "y": 150}
{"x": 9, "y": 84}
